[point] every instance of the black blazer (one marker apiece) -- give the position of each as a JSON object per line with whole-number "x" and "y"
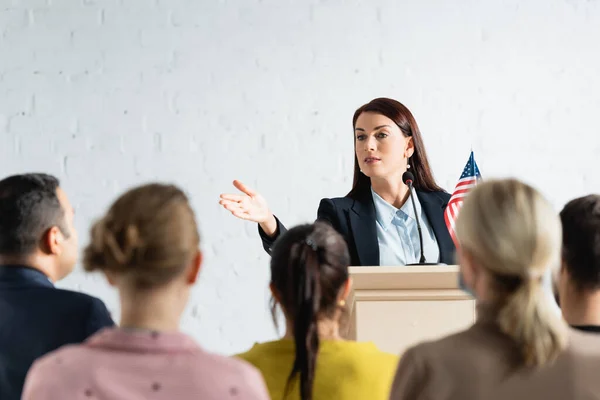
{"x": 355, "y": 219}
{"x": 36, "y": 318}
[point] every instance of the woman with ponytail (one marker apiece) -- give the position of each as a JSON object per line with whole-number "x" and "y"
{"x": 310, "y": 282}
{"x": 509, "y": 236}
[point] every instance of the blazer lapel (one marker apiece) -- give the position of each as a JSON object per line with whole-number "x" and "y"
{"x": 364, "y": 230}
{"x": 434, "y": 208}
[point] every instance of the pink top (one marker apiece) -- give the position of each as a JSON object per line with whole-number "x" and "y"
{"x": 119, "y": 364}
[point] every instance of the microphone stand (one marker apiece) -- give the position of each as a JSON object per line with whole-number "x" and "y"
{"x": 412, "y": 199}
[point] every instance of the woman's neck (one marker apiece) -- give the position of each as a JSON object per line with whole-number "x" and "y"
{"x": 328, "y": 330}
{"x": 151, "y": 311}
{"x": 393, "y": 191}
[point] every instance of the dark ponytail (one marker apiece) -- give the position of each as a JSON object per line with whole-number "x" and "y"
{"x": 309, "y": 267}
{"x": 306, "y": 335}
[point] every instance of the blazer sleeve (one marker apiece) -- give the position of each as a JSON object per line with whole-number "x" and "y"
{"x": 268, "y": 241}
{"x": 98, "y": 318}
{"x": 326, "y": 213}
{"x": 410, "y": 379}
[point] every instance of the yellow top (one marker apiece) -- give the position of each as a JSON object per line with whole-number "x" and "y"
{"x": 344, "y": 371}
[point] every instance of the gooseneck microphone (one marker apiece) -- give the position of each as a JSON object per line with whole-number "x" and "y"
{"x": 408, "y": 179}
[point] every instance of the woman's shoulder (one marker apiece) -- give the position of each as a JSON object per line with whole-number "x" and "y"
{"x": 440, "y": 195}
{"x": 366, "y": 352}
{"x": 61, "y": 357}
{"x": 341, "y": 202}
{"x": 251, "y": 353}
{"x": 53, "y": 374}
{"x": 261, "y": 350}
{"x": 476, "y": 342}
{"x": 336, "y": 348}
{"x": 333, "y": 208}
{"x": 363, "y": 360}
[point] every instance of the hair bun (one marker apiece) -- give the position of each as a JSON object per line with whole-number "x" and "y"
{"x": 131, "y": 241}
{"x": 148, "y": 235}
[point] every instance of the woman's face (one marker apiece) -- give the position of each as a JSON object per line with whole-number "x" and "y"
{"x": 381, "y": 148}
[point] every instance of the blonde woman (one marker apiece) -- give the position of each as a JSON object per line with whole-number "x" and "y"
{"x": 509, "y": 236}
{"x": 147, "y": 245}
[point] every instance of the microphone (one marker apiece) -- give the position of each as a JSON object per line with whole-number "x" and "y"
{"x": 408, "y": 179}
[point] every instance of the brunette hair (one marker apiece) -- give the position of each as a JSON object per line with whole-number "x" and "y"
{"x": 581, "y": 241}
{"x": 419, "y": 163}
{"x": 29, "y": 207}
{"x": 309, "y": 267}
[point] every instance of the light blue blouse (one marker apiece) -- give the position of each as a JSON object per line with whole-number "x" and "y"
{"x": 398, "y": 236}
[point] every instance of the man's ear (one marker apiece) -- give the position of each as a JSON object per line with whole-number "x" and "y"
{"x": 52, "y": 241}
{"x": 563, "y": 275}
{"x": 194, "y": 268}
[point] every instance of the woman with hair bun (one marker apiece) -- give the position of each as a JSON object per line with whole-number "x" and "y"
{"x": 147, "y": 246}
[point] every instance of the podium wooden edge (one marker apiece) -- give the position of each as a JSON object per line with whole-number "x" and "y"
{"x": 405, "y": 277}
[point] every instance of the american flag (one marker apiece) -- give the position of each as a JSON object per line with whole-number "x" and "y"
{"x": 469, "y": 178}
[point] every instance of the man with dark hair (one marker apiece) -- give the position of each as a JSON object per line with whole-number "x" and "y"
{"x": 38, "y": 247}
{"x": 578, "y": 281}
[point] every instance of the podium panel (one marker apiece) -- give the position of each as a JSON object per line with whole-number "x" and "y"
{"x": 397, "y": 307}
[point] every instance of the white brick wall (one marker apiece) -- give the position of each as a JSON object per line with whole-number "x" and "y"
{"x": 111, "y": 93}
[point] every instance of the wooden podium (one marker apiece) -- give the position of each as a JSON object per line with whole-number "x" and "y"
{"x": 397, "y": 307}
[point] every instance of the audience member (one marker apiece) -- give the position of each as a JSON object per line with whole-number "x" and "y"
{"x": 508, "y": 237}
{"x": 38, "y": 247}
{"x": 578, "y": 283}
{"x": 310, "y": 281}
{"x": 573, "y": 375}
{"x": 147, "y": 245}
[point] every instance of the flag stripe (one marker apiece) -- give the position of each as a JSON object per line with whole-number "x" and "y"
{"x": 467, "y": 181}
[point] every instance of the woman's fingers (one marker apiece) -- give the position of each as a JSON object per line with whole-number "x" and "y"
{"x": 232, "y": 205}
{"x": 244, "y": 206}
{"x": 233, "y": 197}
{"x": 243, "y": 188}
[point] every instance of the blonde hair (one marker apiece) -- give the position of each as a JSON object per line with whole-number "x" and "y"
{"x": 149, "y": 235}
{"x": 512, "y": 232}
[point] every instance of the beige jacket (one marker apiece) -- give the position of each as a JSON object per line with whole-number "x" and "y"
{"x": 483, "y": 363}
